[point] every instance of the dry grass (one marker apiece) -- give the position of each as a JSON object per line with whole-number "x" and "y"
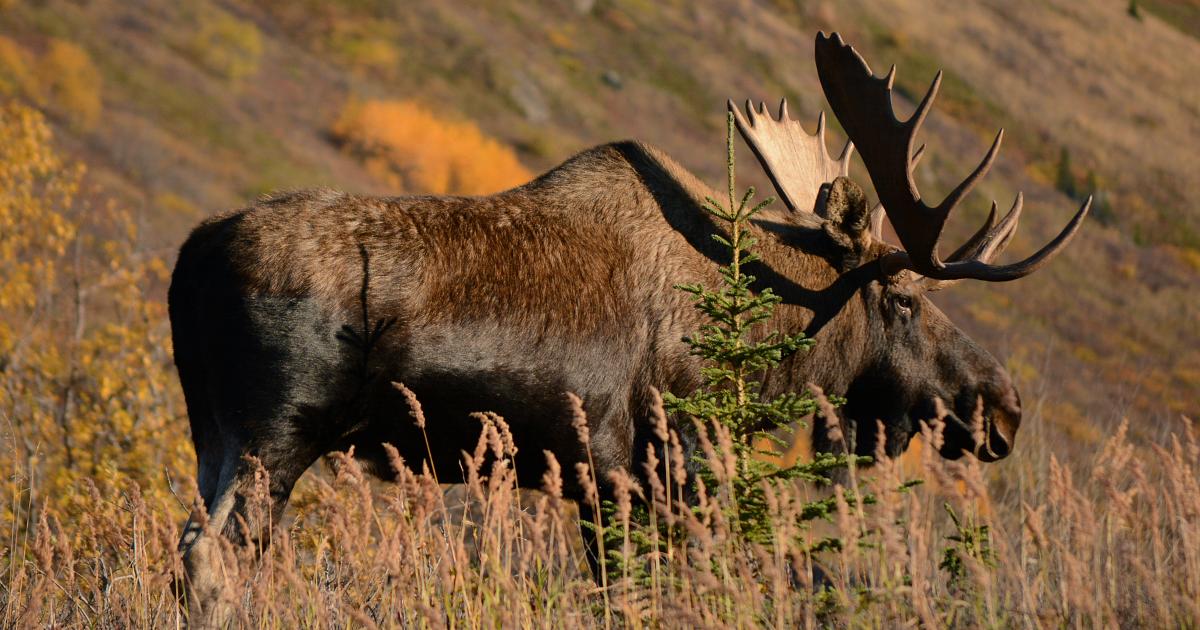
{"x": 1102, "y": 543}
{"x": 1118, "y": 92}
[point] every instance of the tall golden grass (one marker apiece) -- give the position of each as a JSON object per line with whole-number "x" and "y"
{"x": 97, "y": 480}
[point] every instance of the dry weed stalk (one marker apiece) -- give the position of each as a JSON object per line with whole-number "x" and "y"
{"x": 1115, "y": 549}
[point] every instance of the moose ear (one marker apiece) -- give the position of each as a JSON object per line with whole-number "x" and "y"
{"x": 842, "y": 206}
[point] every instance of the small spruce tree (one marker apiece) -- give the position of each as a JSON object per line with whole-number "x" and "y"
{"x": 730, "y": 402}
{"x": 737, "y": 356}
{"x": 1134, "y": 10}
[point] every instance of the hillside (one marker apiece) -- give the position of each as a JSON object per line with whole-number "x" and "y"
{"x": 184, "y": 109}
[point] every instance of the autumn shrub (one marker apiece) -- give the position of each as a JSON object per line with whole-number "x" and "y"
{"x": 228, "y": 47}
{"x": 84, "y": 355}
{"x": 34, "y": 230}
{"x": 417, "y": 150}
{"x": 71, "y": 82}
{"x": 16, "y": 71}
{"x": 62, "y": 77}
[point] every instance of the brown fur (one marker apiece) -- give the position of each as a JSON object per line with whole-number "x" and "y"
{"x": 291, "y": 318}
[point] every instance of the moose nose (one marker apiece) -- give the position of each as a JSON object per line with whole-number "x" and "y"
{"x": 996, "y": 445}
{"x": 1002, "y": 425}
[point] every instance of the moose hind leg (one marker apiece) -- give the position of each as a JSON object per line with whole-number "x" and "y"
{"x": 245, "y": 505}
{"x": 206, "y": 572}
{"x": 266, "y": 394}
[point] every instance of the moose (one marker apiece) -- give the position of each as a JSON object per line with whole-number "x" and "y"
{"x": 292, "y": 318}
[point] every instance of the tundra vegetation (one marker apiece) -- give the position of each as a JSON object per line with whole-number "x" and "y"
{"x": 98, "y": 476}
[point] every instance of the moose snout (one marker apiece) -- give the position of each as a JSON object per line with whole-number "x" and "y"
{"x": 1002, "y": 417}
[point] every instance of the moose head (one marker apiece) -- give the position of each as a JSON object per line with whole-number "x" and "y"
{"x": 915, "y": 365}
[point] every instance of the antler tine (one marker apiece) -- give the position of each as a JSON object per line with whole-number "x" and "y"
{"x": 915, "y": 121}
{"x": 863, "y": 104}
{"x": 987, "y": 243}
{"x": 797, "y": 162}
{"x": 967, "y": 184}
{"x": 1006, "y": 229}
{"x": 877, "y": 222}
{"x": 975, "y": 244}
{"x": 979, "y": 269}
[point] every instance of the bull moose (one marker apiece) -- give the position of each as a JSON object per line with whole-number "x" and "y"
{"x": 292, "y": 318}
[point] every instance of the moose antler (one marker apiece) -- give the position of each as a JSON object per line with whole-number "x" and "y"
{"x": 796, "y": 161}
{"x": 862, "y": 102}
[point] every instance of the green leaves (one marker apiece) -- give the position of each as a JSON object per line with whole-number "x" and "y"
{"x": 969, "y": 540}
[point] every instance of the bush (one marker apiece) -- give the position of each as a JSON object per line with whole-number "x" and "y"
{"x": 414, "y": 149}
{"x": 227, "y": 46}
{"x": 16, "y": 73}
{"x": 71, "y": 82}
{"x": 84, "y": 358}
{"x": 34, "y": 231}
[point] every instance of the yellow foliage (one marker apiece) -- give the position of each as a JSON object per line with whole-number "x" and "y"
{"x": 71, "y": 82}
{"x": 1021, "y": 367}
{"x": 85, "y": 369}
{"x": 33, "y": 231}
{"x": 364, "y": 50}
{"x": 413, "y": 148}
{"x": 16, "y": 76}
{"x": 1086, "y": 354}
{"x": 1186, "y": 255}
{"x": 227, "y": 46}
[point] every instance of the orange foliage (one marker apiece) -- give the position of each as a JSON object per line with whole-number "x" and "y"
{"x": 413, "y": 148}
{"x": 72, "y": 81}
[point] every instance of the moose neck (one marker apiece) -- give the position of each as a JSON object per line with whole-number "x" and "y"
{"x": 818, "y": 299}
{"x": 796, "y": 263}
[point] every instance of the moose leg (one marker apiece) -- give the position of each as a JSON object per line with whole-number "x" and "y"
{"x": 203, "y": 557}
{"x": 243, "y": 505}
